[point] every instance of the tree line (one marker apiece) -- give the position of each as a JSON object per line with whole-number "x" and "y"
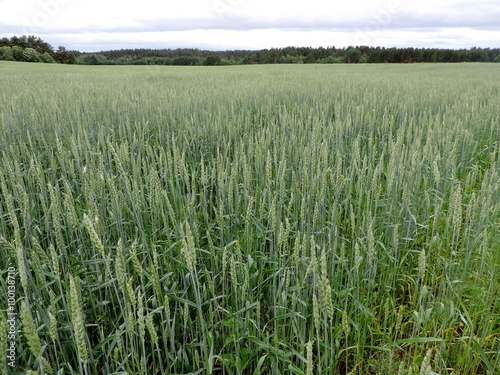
{"x": 33, "y": 49}
{"x": 288, "y": 55}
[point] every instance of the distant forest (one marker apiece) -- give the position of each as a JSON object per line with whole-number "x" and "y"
{"x": 33, "y": 49}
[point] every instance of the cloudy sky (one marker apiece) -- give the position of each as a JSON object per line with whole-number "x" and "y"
{"x": 95, "y": 25}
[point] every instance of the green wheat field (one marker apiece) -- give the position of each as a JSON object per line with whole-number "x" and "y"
{"x": 315, "y": 219}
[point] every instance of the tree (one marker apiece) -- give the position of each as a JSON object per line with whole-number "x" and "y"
{"x": 47, "y": 58}
{"x": 364, "y": 59}
{"x": 91, "y": 60}
{"x": 124, "y": 60}
{"x": 298, "y": 60}
{"x": 63, "y": 56}
{"x": 36, "y": 43}
{"x": 352, "y": 56}
{"x": 30, "y": 55}
{"x": 212, "y": 60}
{"x": 17, "y": 53}
{"x": 6, "y": 53}
{"x": 16, "y": 41}
{"x": 185, "y": 60}
{"x": 5, "y": 42}
{"x": 286, "y": 60}
{"x": 309, "y": 59}
{"x": 484, "y": 57}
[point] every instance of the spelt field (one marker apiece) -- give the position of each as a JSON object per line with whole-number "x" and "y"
{"x": 251, "y": 220}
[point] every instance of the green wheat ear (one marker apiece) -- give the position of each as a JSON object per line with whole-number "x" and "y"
{"x": 78, "y": 323}
{"x": 309, "y": 357}
{"x": 188, "y": 250}
{"x": 140, "y": 315}
{"x": 136, "y": 264}
{"x": 346, "y": 326}
{"x": 32, "y": 338}
{"x": 120, "y": 266}
{"x": 425, "y": 367}
{"x": 53, "y": 329}
{"x": 422, "y": 264}
{"x": 94, "y": 237}
{"x": 316, "y": 316}
{"x": 3, "y": 344}
{"x": 8, "y": 246}
{"x": 152, "y": 330}
{"x": 21, "y": 264}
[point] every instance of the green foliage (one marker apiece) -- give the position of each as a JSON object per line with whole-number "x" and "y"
{"x": 90, "y": 60}
{"x": 6, "y": 53}
{"x": 287, "y": 55}
{"x": 252, "y": 220}
{"x": 33, "y": 49}
{"x": 30, "y": 55}
{"x": 186, "y": 60}
{"x": 93, "y": 59}
{"x": 299, "y": 55}
{"x": 353, "y": 56}
{"x": 29, "y": 41}
{"x": 64, "y": 56}
{"x": 47, "y": 58}
{"x": 212, "y": 60}
{"x": 17, "y": 53}
{"x": 332, "y": 60}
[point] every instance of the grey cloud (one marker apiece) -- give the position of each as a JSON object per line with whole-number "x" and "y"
{"x": 484, "y": 15}
{"x": 400, "y": 21}
{"x": 403, "y": 20}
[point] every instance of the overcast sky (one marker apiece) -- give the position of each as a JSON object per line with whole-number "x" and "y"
{"x": 95, "y": 25}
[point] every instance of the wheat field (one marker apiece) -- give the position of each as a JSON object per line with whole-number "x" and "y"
{"x": 250, "y": 220}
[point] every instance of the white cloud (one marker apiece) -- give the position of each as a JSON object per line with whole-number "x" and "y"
{"x": 227, "y": 24}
